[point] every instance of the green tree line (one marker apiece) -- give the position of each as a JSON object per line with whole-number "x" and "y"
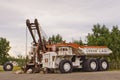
{"x": 4, "y": 49}
{"x": 4, "y": 56}
{"x": 102, "y": 36}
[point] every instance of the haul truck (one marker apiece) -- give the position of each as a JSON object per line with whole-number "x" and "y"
{"x": 63, "y": 57}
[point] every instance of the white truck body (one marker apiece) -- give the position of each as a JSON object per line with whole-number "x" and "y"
{"x": 49, "y": 60}
{"x": 53, "y": 59}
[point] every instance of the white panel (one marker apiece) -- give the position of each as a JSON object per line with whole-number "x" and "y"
{"x": 96, "y": 51}
{"x": 47, "y": 59}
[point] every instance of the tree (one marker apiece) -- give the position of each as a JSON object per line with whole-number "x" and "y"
{"x": 79, "y": 42}
{"x": 21, "y": 60}
{"x": 101, "y": 36}
{"x": 114, "y": 45}
{"x": 4, "y": 49}
{"x": 56, "y": 39}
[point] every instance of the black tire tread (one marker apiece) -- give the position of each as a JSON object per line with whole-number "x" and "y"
{"x": 62, "y": 64}
{"x": 5, "y": 66}
{"x": 86, "y": 65}
{"x": 100, "y": 64}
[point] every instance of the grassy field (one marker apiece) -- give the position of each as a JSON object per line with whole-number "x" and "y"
{"x": 1, "y": 68}
{"x": 15, "y": 68}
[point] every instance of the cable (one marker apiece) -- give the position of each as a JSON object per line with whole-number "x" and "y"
{"x": 43, "y": 33}
{"x": 26, "y": 45}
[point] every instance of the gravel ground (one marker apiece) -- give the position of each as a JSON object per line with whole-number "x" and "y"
{"x": 106, "y": 75}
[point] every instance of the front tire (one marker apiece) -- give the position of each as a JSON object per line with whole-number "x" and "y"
{"x": 65, "y": 66}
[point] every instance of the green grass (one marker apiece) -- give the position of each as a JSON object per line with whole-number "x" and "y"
{"x": 16, "y": 68}
{"x": 1, "y": 69}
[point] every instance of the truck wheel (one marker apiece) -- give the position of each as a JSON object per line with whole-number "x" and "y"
{"x": 91, "y": 65}
{"x": 103, "y": 65}
{"x": 65, "y": 66}
{"x": 8, "y": 66}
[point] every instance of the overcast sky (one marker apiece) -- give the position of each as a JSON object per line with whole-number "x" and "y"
{"x": 71, "y": 19}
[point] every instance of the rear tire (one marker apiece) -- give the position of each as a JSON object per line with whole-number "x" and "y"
{"x": 90, "y": 65}
{"x": 65, "y": 66}
{"x": 8, "y": 66}
{"x": 103, "y": 65}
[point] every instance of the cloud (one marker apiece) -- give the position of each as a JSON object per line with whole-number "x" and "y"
{"x": 71, "y": 19}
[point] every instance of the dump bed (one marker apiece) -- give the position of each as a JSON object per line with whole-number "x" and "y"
{"x": 84, "y": 50}
{"x": 94, "y": 50}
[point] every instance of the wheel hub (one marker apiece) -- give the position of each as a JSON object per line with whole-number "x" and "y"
{"x": 93, "y": 65}
{"x": 104, "y": 65}
{"x": 66, "y": 67}
{"x": 8, "y": 66}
